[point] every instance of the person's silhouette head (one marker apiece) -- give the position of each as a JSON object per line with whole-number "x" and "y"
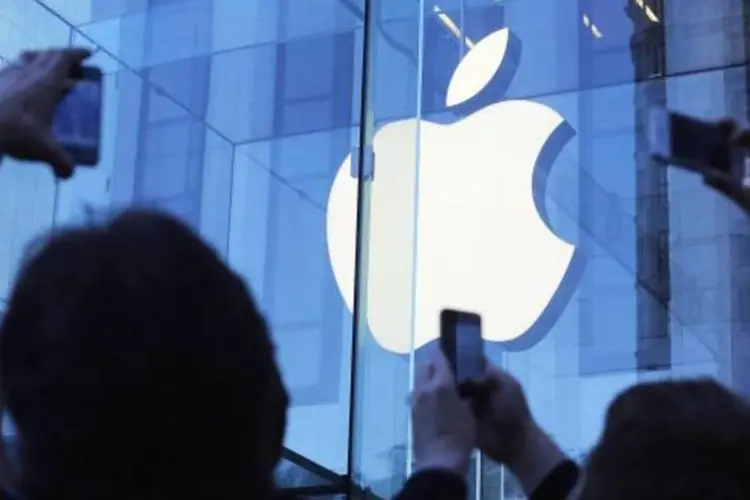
{"x": 136, "y": 365}
{"x": 672, "y": 440}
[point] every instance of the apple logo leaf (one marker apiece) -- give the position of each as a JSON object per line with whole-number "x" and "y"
{"x": 478, "y": 68}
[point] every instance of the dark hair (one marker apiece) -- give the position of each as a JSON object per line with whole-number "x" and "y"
{"x": 672, "y": 440}
{"x": 136, "y": 365}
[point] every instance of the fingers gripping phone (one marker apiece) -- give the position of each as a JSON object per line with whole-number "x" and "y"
{"x": 78, "y": 121}
{"x": 695, "y": 145}
{"x": 462, "y": 343}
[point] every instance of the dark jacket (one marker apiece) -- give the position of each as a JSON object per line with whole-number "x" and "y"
{"x": 442, "y": 485}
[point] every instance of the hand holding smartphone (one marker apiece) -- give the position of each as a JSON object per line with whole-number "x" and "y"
{"x": 463, "y": 345}
{"x": 78, "y": 121}
{"x": 689, "y": 142}
{"x": 712, "y": 149}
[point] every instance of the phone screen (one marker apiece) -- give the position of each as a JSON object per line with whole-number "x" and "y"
{"x": 462, "y": 343}
{"x": 469, "y": 349}
{"x": 77, "y": 123}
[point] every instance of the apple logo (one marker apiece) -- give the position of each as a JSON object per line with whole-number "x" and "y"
{"x": 468, "y": 228}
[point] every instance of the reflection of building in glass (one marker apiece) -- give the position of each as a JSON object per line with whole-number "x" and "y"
{"x": 647, "y": 45}
{"x": 167, "y": 166}
{"x": 740, "y": 245}
{"x": 707, "y": 76}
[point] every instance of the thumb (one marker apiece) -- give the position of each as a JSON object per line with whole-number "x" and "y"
{"x": 49, "y": 151}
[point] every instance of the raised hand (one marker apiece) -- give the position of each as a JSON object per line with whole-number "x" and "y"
{"x": 30, "y": 90}
{"x": 443, "y": 425}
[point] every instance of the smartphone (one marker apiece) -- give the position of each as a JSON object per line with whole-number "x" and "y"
{"x": 694, "y": 144}
{"x": 462, "y": 343}
{"x": 78, "y": 121}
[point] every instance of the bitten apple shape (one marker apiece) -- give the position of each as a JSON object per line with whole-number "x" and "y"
{"x": 481, "y": 244}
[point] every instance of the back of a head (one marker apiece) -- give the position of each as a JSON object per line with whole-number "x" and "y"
{"x": 673, "y": 440}
{"x": 136, "y": 365}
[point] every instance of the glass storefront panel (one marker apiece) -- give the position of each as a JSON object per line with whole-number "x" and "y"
{"x": 234, "y": 116}
{"x": 537, "y": 205}
{"x": 364, "y": 164}
{"x": 384, "y": 254}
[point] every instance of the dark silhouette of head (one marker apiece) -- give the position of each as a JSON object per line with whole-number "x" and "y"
{"x": 672, "y": 440}
{"x": 136, "y": 366}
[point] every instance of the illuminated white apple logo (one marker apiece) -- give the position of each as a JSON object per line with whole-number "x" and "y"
{"x": 481, "y": 243}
